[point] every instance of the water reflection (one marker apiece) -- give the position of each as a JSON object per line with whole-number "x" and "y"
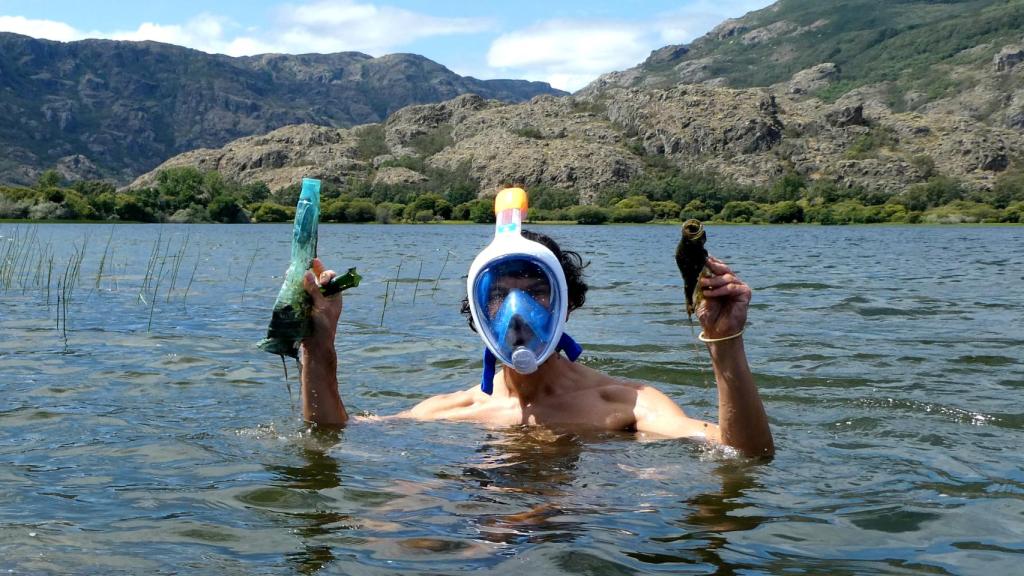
{"x": 531, "y": 470}
{"x": 320, "y": 471}
{"x": 710, "y": 520}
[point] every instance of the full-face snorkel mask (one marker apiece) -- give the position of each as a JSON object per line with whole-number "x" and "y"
{"x": 517, "y": 296}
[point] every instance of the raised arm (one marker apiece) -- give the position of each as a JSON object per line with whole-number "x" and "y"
{"x": 742, "y": 422}
{"x": 321, "y": 401}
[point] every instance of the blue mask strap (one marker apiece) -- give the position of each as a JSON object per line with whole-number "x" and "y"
{"x": 566, "y": 344}
{"x": 571, "y": 348}
{"x": 487, "y": 378}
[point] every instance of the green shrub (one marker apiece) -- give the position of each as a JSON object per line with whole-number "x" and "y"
{"x": 255, "y": 192}
{"x": 388, "y": 212}
{"x": 129, "y": 208}
{"x": 12, "y": 208}
{"x": 868, "y": 145}
{"x": 360, "y": 211}
{"x": 529, "y": 132}
{"x": 542, "y": 215}
{"x": 789, "y": 187}
{"x": 697, "y": 210}
{"x": 547, "y": 197}
{"x": 434, "y": 141}
{"x": 1008, "y": 189}
{"x": 78, "y": 207}
{"x": 962, "y": 211}
{"x": 333, "y": 210}
{"x": 49, "y": 179}
{"x": 226, "y": 209}
{"x": 192, "y": 213}
{"x": 482, "y": 211}
{"x": 461, "y": 212}
{"x": 633, "y": 202}
{"x": 1013, "y": 213}
{"x": 665, "y": 210}
{"x": 270, "y": 212}
{"x": 589, "y": 215}
{"x": 741, "y": 211}
{"x": 370, "y": 142}
{"x": 631, "y": 215}
{"x": 937, "y": 191}
{"x": 786, "y": 212}
{"x": 924, "y": 164}
{"x": 424, "y": 216}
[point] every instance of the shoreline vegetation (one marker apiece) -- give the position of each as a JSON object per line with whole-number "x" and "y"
{"x": 663, "y": 194}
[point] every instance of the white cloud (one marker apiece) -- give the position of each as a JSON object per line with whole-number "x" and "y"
{"x": 569, "y": 54}
{"x": 49, "y": 29}
{"x": 338, "y": 25}
{"x": 323, "y": 26}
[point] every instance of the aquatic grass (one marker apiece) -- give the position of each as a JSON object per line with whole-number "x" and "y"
{"x": 66, "y": 287}
{"x": 248, "y": 269}
{"x": 150, "y": 266}
{"x": 178, "y": 257}
{"x": 433, "y": 291}
{"x": 49, "y": 280}
{"x": 417, "y": 287}
{"x": 103, "y": 259}
{"x": 156, "y": 286}
{"x": 387, "y": 286}
{"x": 184, "y": 299}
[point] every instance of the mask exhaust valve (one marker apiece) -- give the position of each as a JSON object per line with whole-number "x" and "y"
{"x": 524, "y": 361}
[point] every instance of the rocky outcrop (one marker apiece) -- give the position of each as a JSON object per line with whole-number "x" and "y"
{"x": 813, "y": 78}
{"x": 728, "y": 29}
{"x": 397, "y": 176}
{"x": 1009, "y": 57}
{"x": 698, "y": 121}
{"x": 280, "y": 158}
{"x": 773, "y": 30}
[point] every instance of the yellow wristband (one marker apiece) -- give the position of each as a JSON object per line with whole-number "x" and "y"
{"x": 703, "y": 338}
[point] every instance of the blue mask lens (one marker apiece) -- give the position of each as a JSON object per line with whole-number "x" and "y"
{"x": 515, "y": 298}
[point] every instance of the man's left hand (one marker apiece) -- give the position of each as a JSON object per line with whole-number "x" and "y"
{"x": 723, "y": 312}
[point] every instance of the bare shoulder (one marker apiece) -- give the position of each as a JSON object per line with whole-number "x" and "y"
{"x": 658, "y": 414}
{"x": 442, "y": 405}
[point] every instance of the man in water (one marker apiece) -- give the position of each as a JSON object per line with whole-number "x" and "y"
{"x": 521, "y": 289}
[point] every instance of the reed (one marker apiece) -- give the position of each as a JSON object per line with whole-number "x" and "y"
{"x": 245, "y": 280}
{"x": 447, "y": 255}
{"x": 49, "y": 280}
{"x": 156, "y": 287}
{"x": 66, "y": 287}
{"x": 103, "y": 259}
{"x": 150, "y": 266}
{"x": 184, "y": 299}
{"x": 178, "y": 257}
{"x": 417, "y": 287}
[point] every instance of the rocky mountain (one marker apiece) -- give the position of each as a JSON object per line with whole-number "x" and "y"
{"x": 110, "y": 109}
{"x": 870, "y": 94}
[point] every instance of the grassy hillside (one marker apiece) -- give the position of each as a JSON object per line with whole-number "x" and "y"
{"x": 910, "y": 43}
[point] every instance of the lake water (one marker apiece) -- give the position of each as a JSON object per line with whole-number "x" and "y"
{"x": 142, "y": 432}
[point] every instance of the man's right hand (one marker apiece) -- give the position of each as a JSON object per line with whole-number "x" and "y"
{"x": 326, "y": 309}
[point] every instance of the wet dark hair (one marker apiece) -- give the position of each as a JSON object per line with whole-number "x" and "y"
{"x": 572, "y": 266}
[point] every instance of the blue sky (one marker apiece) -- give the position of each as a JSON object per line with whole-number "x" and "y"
{"x": 566, "y": 43}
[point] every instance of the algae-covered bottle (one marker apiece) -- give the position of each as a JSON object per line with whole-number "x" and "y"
{"x": 289, "y": 323}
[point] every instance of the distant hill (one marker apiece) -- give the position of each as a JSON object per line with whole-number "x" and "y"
{"x": 921, "y": 50}
{"x": 871, "y": 95}
{"x": 111, "y": 109}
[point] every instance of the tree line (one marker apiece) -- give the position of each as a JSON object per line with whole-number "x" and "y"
{"x": 663, "y": 193}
